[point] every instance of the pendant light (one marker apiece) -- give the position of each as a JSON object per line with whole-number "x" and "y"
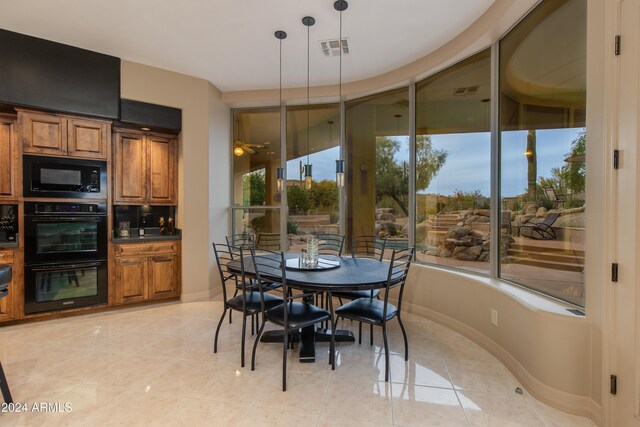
{"x": 308, "y": 21}
{"x": 280, "y": 35}
{"x": 340, "y": 6}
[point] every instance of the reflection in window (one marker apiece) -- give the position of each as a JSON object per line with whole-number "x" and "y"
{"x": 542, "y": 122}
{"x": 453, "y": 164}
{"x": 377, "y": 146}
{"x": 256, "y": 158}
{"x": 315, "y": 210}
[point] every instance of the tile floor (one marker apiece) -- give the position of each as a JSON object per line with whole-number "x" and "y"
{"x": 154, "y": 366}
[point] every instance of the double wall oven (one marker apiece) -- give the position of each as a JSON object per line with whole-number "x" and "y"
{"x": 65, "y": 242}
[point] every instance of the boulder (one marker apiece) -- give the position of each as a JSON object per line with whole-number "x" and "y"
{"x": 483, "y": 212}
{"x": 532, "y": 209}
{"x": 484, "y": 256}
{"x": 445, "y": 253}
{"x": 387, "y": 217}
{"x": 457, "y": 232}
{"x": 422, "y": 230}
{"x": 483, "y": 219}
{"x": 465, "y": 255}
{"x": 573, "y": 210}
{"x": 479, "y": 234}
{"x": 475, "y": 250}
{"x": 529, "y": 205}
{"x": 541, "y": 212}
{"x": 575, "y": 220}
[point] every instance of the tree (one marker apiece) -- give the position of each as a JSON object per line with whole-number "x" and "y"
{"x": 324, "y": 195}
{"x": 573, "y": 173}
{"x": 392, "y": 178}
{"x": 298, "y": 199}
{"x": 253, "y": 186}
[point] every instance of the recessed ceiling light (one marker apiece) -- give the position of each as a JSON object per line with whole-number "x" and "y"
{"x": 145, "y": 129}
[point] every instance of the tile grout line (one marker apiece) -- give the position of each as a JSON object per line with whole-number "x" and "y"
{"x": 464, "y": 411}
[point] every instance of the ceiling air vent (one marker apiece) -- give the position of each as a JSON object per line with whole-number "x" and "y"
{"x": 465, "y": 91}
{"x": 332, "y": 47}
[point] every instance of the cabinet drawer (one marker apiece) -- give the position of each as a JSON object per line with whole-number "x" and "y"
{"x": 144, "y": 249}
{"x": 6, "y": 257}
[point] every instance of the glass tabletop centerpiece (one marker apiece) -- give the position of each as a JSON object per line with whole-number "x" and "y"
{"x": 309, "y": 259}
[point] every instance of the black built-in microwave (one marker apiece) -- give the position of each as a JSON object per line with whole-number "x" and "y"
{"x": 62, "y": 177}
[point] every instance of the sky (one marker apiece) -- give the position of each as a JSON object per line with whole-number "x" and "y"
{"x": 469, "y": 160}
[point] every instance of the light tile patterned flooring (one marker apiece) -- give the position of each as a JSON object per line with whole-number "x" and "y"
{"x": 154, "y": 366}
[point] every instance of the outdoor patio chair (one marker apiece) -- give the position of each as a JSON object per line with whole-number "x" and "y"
{"x": 556, "y": 198}
{"x": 269, "y": 241}
{"x": 541, "y": 230}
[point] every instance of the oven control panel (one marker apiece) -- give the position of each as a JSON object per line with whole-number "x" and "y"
{"x": 47, "y": 208}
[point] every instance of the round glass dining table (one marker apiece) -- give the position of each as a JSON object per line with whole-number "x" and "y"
{"x": 352, "y": 274}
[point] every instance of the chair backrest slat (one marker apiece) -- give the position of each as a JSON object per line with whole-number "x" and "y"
{"x": 243, "y": 240}
{"x": 225, "y": 254}
{"x": 398, "y": 270}
{"x": 368, "y": 247}
{"x": 330, "y": 244}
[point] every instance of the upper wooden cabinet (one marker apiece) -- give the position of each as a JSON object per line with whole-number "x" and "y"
{"x": 9, "y": 157}
{"x": 50, "y": 134}
{"x": 145, "y": 168}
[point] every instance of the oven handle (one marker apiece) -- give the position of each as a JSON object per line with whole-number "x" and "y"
{"x": 67, "y": 267}
{"x": 68, "y": 219}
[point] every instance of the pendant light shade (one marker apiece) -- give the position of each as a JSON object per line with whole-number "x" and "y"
{"x": 280, "y": 35}
{"x": 340, "y": 173}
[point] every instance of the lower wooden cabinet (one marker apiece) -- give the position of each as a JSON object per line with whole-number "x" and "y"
{"x": 148, "y": 271}
{"x": 7, "y": 307}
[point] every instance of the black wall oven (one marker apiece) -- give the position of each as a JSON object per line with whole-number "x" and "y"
{"x": 61, "y": 177}
{"x": 65, "y": 255}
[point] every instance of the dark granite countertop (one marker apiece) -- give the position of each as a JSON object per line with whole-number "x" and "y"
{"x": 150, "y": 236}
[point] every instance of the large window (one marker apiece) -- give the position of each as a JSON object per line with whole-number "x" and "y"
{"x": 256, "y": 158}
{"x": 377, "y": 146}
{"x": 453, "y": 165}
{"x": 530, "y": 232}
{"x": 542, "y": 123}
{"x": 313, "y": 210}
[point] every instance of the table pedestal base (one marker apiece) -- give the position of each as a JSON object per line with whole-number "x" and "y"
{"x": 307, "y": 339}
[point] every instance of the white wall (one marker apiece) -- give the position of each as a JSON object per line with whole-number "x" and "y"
{"x": 203, "y": 191}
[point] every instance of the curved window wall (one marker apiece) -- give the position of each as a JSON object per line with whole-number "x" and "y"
{"x": 377, "y": 162}
{"x": 481, "y": 177}
{"x": 542, "y": 151}
{"x": 453, "y": 165}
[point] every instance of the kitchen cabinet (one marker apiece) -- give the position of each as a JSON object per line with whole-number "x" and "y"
{"x": 10, "y": 187}
{"x": 7, "y": 306}
{"x": 59, "y": 135}
{"x": 145, "y": 168}
{"x": 146, "y": 271}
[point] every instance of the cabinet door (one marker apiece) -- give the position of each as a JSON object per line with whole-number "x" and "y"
{"x": 6, "y": 303}
{"x": 43, "y": 134}
{"x": 162, "y": 170}
{"x": 163, "y": 276}
{"x": 130, "y": 169}
{"x": 8, "y": 159}
{"x": 131, "y": 280}
{"x": 87, "y": 138}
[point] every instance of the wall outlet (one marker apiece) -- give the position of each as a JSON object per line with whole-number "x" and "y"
{"x": 494, "y": 317}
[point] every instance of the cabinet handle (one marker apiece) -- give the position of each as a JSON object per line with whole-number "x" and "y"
{"x": 162, "y": 260}
{"x": 131, "y": 262}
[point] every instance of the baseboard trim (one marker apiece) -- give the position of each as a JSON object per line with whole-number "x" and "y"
{"x": 567, "y": 402}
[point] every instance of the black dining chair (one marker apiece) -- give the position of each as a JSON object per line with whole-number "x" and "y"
{"x": 292, "y": 315}
{"x": 241, "y": 240}
{"x": 379, "y": 312}
{"x": 364, "y": 247}
{"x": 250, "y": 301}
{"x": 330, "y": 244}
{"x": 368, "y": 247}
{"x": 5, "y": 279}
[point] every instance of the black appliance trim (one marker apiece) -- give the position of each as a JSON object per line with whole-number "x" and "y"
{"x": 48, "y": 213}
{"x": 29, "y": 161}
{"x": 31, "y": 305}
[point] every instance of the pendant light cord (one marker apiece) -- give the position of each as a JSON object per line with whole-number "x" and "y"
{"x": 308, "y": 68}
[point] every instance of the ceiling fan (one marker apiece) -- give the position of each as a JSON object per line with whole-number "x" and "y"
{"x": 240, "y": 147}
